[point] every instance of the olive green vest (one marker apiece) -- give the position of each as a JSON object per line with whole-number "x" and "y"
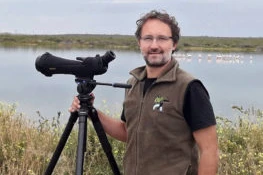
{"x": 159, "y": 139}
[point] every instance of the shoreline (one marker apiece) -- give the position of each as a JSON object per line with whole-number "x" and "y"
{"x": 128, "y": 42}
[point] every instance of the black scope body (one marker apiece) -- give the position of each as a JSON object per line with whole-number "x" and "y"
{"x": 82, "y": 67}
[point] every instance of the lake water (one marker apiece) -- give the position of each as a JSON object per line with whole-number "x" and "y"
{"x": 231, "y": 79}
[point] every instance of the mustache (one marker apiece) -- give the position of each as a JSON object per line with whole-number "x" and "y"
{"x": 155, "y": 51}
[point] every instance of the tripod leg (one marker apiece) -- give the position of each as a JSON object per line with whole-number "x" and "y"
{"x": 61, "y": 144}
{"x": 81, "y": 140}
{"x": 104, "y": 140}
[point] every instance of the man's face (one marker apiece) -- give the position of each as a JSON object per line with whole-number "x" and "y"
{"x": 156, "y": 43}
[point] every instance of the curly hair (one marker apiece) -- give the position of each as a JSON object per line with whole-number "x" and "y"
{"x": 164, "y": 17}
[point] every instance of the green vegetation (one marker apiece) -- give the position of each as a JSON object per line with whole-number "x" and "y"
{"x": 69, "y": 41}
{"x": 128, "y": 42}
{"x": 26, "y": 147}
{"x": 222, "y": 44}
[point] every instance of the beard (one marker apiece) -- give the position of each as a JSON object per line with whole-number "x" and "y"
{"x": 158, "y": 60}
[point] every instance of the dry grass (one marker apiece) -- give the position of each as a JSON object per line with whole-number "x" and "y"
{"x": 26, "y": 147}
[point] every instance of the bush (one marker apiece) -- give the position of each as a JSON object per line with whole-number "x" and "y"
{"x": 240, "y": 143}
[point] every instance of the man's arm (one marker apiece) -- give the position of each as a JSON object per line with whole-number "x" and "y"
{"x": 206, "y": 140}
{"x": 116, "y": 128}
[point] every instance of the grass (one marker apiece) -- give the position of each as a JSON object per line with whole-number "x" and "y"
{"x": 26, "y": 147}
{"x": 128, "y": 42}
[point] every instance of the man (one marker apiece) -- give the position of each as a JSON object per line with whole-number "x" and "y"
{"x": 168, "y": 121}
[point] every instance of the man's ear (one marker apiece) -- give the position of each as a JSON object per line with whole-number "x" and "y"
{"x": 175, "y": 46}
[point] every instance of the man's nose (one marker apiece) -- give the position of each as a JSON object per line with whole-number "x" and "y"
{"x": 154, "y": 43}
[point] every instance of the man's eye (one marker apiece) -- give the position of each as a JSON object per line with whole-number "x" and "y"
{"x": 148, "y": 38}
{"x": 162, "y": 38}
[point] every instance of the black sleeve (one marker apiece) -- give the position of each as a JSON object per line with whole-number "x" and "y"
{"x": 123, "y": 116}
{"x": 198, "y": 110}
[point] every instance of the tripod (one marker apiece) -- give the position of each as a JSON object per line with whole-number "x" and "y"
{"x": 86, "y": 110}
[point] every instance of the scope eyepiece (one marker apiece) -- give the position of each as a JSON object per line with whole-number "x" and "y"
{"x": 108, "y": 57}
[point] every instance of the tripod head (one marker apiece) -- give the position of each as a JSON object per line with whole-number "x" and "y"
{"x": 86, "y": 86}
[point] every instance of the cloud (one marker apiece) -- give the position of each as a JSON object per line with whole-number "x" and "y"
{"x": 200, "y": 17}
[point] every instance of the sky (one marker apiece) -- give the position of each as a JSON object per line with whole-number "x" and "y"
{"x": 220, "y": 18}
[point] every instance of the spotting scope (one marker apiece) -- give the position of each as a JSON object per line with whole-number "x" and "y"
{"x": 82, "y": 67}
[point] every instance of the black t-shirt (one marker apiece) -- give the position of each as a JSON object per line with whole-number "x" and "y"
{"x": 197, "y": 109}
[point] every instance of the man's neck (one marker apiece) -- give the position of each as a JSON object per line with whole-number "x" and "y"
{"x": 155, "y": 72}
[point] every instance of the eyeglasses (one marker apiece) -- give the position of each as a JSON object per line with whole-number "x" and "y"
{"x": 148, "y": 39}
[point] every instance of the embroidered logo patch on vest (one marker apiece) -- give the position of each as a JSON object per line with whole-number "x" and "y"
{"x": 158, "y": 103}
